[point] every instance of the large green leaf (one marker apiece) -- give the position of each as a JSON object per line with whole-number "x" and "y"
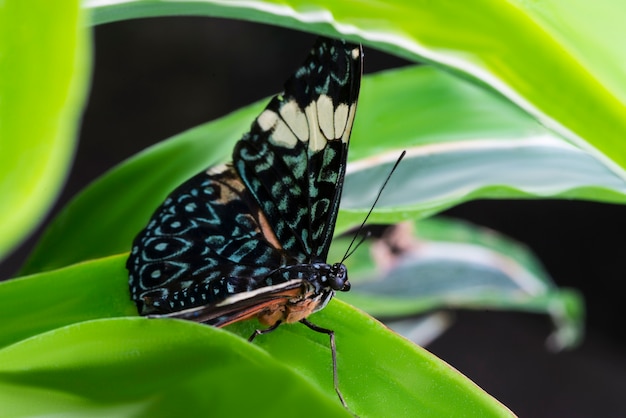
{"x": 462, "y": 143}
{"x": 135, "y": 368}
{"x": 44, "y": 51}
{"x": 143, "y": 367}
{"x": 35, "y": 304}
{"x": 556, "y": 59}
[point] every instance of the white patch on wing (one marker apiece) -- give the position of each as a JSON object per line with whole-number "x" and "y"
{"x": 238, "y": 297}
{"x": 356, "y": 52}
{"x": 325, "y": 114}
{"x": 267, "y": 120}
{"x": 317, "y": 141}
{"x": 341, "y": 117}
{"x": 295, "y": 119}
{"x": 346, "y": 134}
{"x": 218, "y": 169}
{"x": 283, "y": 136}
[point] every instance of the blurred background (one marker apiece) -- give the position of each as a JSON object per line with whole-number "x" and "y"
{"x": 154, "y": 78}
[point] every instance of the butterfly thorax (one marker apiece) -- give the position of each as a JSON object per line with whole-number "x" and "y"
{"x": 318, "y": 283}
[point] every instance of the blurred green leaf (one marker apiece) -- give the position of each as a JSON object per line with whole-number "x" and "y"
{"x": 145, "y": 367}
{"x": 44, "y": 67}
{"x": 441, "y": 264}
{"x": 555, "y": 58}
{"x": 462, "y": 143}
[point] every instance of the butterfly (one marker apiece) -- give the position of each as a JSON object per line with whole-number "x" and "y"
{"x": 250, "y": 238}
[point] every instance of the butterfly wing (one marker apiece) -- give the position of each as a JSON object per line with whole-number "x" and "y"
{"x": 241, "y": 306}
{"x": 224, "y": 231}
{"x": 293, "y": 160}
{"x": 208, "y": 240}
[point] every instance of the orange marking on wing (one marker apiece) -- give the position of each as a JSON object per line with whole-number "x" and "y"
{"x": 269, "y": 311}
{"x": 288, "y": 306}
{"x": 267, "y": 230}
{"x": 236, "y": 188}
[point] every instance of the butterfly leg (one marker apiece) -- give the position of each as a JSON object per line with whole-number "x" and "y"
{"x": 333, "y": 349}
{"x": 258, "y": 332}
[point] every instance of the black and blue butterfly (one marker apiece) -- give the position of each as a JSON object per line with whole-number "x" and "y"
{"x": 250, "y": 238}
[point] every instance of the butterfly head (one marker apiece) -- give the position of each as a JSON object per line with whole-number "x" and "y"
{"x": 338, "y": 277}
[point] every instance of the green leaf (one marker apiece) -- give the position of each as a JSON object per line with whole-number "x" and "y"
{"x": 39, "y": 303}
{"x": 135, "y": 367}
{"x": 530, "y": 52}
{"x": 444, "y": 264}
{"x": 380, "y": 373}
{"x": 462, "y": 143}
{"x": 44, "y": 63}
{"x": 143, "y": 367}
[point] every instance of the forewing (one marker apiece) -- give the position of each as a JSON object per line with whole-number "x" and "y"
{"x": 208, "y": 240}
{"x": 293, "y": 159}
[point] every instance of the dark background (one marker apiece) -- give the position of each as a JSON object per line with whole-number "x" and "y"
{"x": 157, "y": 77}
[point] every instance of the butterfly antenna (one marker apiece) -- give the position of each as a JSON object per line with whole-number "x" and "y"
{"x": 364, "y": 237}
{"x": 358, "y": 244}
